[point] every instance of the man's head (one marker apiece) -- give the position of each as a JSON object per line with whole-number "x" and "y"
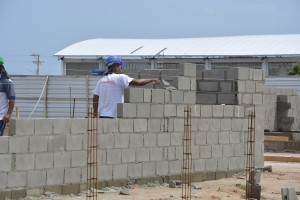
{"x": 114, "y": 65}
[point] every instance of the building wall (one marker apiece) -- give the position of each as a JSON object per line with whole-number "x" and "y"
{"x": 143, "y": 143}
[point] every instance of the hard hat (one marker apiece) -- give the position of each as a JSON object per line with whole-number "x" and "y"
{"x": 1, "y": 60}
{"x": 114, "y": 59}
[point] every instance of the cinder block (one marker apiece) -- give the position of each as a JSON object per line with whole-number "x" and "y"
{"x": 237, "y": 124}
{"x": 150, "y": 140}
{"x": 147, "y": 95}
{"x": 56, "y": 142}
{"x": 120, "y": 172}
{"x": 217, "y": 151}
{"x": 3, "y": 181}
{"x": 162, "y": 168}
{"x": 44, "y": 160}
{"x": 19, "y": 144}
{"x": 240, "y": 86}
{"x": 148, "y": 169}
{"x": 177, "y": 96}
{"x": 156, "y": 154}
{"x": 228, "y": 110}
{"x": 38, "y": 143}
{"x": 126, "y": 125}
{"x": 218, "y": 110}
{"x": 150, "y": 73}
{"x": 113, "y": 156}
{"x": 126, "y": 110}
{"x": 158, "y": 96}
{"x": 257, "y": 99}
{"x": 157, "y": 110}
{"x": 187, "y": 69}
{"x": 227, "y": 99}
{"x": 35, "y": 192}
{"x": 189, "y": 97}
{"x": 18, "y": 193}
{"x": 143, "y": 110}
{"x": 224, "y": 136}
{"x": 203, "y": 124}
{"x": 176, "y": 139}
{"x": 62, "y": 126}
{"x": 109, "y": 125}
{"x": 259, "y": 87}
{"x": 74, "y": 142}
{"x": 106, "y": 141}
{"x": 4, "y": 194}
{"x": 133, "y": 95}
{"x": 225, "y": 124}
{"x": 16, "y": 179}
{"x": 170, "y": 110}
{"x": 121, "y": 141}
{"x": 36, "y": 178}
{"x": 43, "y": 126}
{"x": 163, "y": 139}
{"x": 142, "y": 155}
{"x": 233, "y": 163}
{"x": 136, "y": 140}
{"x": 175, "y": 167}
{"x": 25, "y": 161}
{"x": 212, "y": 138}
{"x": 228, "y": 150}
{"x": 78, "y": 158}
{"x": 105, "y": 172}
{"x": 239, "y": 111}
{"x": 250, "y": 86}
{"x": 239, "y": 73}
{"x": 206, "y": 98}
{"x": 211, "y": 164}
{"x": 178, "y": 124}
{"x": 206, "y": 111}
{"x": 135, "y": 170}
{"x": 6, "y": 162}
{"x": 179, "y": 153}
{"x": 222, "y": 164}
{"x": 247, "y": 99}
{"x": 183, "y": 83}
{"x": 235, "y": 137}
{"x": 200, "y": 138}
{"x": 193, "y": 84}
{"x": 140, "y": 125}
{"x": 4, "y": 141}
{"x": 21, "y": 127}
{"x": 215, "y": 124}
{"x": 70, "y": 189}
{"x": 79, "y": 126}
{"x": 207, "y": 86}
{"x": 205, "y": 151}
{"x": 168, "y": 98}
{"x": 214, "y": 74}
{"x": 258, "y": 74}
{"x": 62, "y": 159}
{"x": 154, "y": 125}
{"x": 227, "y": 86}
{"x": 199, "y": 165}
{"x": 72, "y": 175}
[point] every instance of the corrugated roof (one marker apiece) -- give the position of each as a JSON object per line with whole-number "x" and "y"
{"x": 253, "y": 45}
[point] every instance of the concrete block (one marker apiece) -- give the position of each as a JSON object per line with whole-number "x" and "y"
{"x": 18, "y": 193}
{"x": 121, "y": 141}
{"x": 178, "y": 125}
{"x": 179, "y": 153}
{"x": 38, "y": 144}
{"x": 218, "y": 110}
{"x": 183, "y": 83}
{"x": 189, "y": 97}
{"x": 228, "y": 99}
{"x": 187, "y": 69}
{"x": 208, "y": 86}
{"x": 247, "y": 99}
{"x": 105, "y": 172}
{"x": 206, "y": 98}
{"x": 143, "y": 110}
{"x": 154, "y": 125}
{"x": 259, "y": 87}
{"x": 228, "y": 111}
{"x": 239, "y": 149}
{"x": 54, "y": 188}
{"x": 19, "y": 144}
{"x": 215, "y": 124}
{"x": 205, "y": 151}
{"x": 228, "y": 150}
{"x": 227, "y": 86}
{"x": 217, "y": 151}
{"x": 203, "y": 124}
{"x": 142, "y": 155}
{"x": 150, "y": 140}
{"x": 114, "y": 156}
{"x": 44, "y": 160}
{"x": 218, "y": 74}
{"x": 62, "y": 159}
{"x": 43, "y": 126}
{"x": 236, "y": 124}
{"x": 176, "y": 96}
{"x": 35, "y": 192}
{"x": 74, "y": 142}
{"x": 136, "y": 140}
{"x": 257, "y": 99}
{"x": 250, "y": 86}
{"x": 156, "y": 154}
{"x": 110, "y": 125}
{"x": 225, "y": 124}
{"x": 56, "y": 142}
{"x": 163, "y": 140}
{"x": 233, "y": 163}
{"x": 16, "y": 179}
{"x": 148, "y": 169}
{"x": 62, "y": 126}
{"x": 6, "y": 162}
{"x": 170, "y": 110}
{"x": 176, "y": 139}
{"x": 4, "y": 194}
{"x": 199, "y": 165}
{"x": 175, "y": 167}
{"x": 133, "y": 95}
{"x": 241, "y": 73}
{"x": 211, "y": 164}
{"x": 200, "y": 138}
{"x": 168, "y": 98}
{"x": 171, "y": 153}
{"x": 224, "y": 137}
{"x": 36, "y": 178}
{"x": 135, "y": 170}
{"x": 258, "y": 74}
{"x": 21, "y": 127}
{"x": 235, "y": 137}
{"x": 206, "y": 111}
{"x": 193, "y": 84}
{"x": 158, "y": 96}
{"x": 106, "y": 141}
{"x": 239, "y": 111}
{"x": 4, "y": 141}
{"x": 78, "y": 158}
{"x": 157, "y": 110}
{"x": 240, "y": 86}
{"x": 79, "y": 126}
{"x": 72, "y": 175}
{"x": 162, "y": 168}
{"x": 25, "y": 161}
{"x": 3, "y": 180}
{"x": 126, "y": 125}
{"x": 222, "y": 164}
{"x": 120, "y": 172}
{"x": 150, "y": 73}
{"x": 125, "y": 110}
{"x": 212, "y": 138}
{"x": 147, "y": 95}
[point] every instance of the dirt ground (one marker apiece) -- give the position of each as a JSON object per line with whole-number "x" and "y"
{"x": 282, "y": 175}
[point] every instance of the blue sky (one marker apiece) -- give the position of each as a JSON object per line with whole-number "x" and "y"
{"x": 47, "y": 26}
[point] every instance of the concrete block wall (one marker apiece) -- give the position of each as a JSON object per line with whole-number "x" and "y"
{"x": 281, "y": 109}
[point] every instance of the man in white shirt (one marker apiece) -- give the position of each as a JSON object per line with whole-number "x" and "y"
{"x": 109, "y": 90}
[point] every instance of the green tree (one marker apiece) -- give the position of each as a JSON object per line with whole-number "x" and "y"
{"x": 296, "y": 69}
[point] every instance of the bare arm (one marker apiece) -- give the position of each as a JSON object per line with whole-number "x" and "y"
{"x": 11, "y": 105}
{"x": 95, "y": 105}
{"x": 141, "y": 82}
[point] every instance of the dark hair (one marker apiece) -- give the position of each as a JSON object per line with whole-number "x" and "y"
{"x": 111, "y": 68}
{"x": 4, "y": 72}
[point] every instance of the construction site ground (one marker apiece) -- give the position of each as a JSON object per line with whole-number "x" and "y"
{"x": 284, "y": 174}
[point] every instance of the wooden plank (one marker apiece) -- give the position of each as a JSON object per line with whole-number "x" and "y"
{"x": 276, "y": 138}
{"x": 282, "y": 159}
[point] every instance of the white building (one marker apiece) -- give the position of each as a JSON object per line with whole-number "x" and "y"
{"x": 273, "y": 53}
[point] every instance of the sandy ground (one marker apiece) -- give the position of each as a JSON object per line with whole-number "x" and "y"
{"x": 283, "y": 175}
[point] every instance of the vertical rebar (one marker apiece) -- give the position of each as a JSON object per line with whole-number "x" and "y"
{"x": 92, "y": 157}
{"x": 250, "y": 152}
{"x": 186, "y": 172}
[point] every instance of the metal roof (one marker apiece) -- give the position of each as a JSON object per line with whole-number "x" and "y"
{"x": 252, "y": 45}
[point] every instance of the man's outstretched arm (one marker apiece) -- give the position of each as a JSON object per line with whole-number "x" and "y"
{"x": 144, "y": 81}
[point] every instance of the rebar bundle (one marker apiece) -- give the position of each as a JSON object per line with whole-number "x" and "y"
{"x": 92, "y": 152}
{"x": 250, "y": 163}
{"x": 186, "y": 172}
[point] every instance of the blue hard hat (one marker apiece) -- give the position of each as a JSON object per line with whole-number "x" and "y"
{"x": 114, "y": 59}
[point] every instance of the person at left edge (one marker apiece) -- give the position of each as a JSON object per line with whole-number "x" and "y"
{"x": 7, "y": 97}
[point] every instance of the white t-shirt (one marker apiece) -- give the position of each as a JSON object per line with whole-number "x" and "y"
{"x": 110, "y": 90}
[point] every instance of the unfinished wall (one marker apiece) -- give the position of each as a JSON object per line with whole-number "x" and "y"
{"x": 144, "y": 143}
